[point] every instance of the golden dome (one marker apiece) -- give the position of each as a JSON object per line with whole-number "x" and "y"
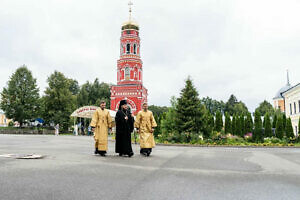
{"x": 130, "y": 25}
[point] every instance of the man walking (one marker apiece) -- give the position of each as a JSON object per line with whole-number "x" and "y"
{"x": 124, "y": 126}
{"x": 57, "y": 129}
{"x": 145, "y": 124}
{"x": 100, "y": 124}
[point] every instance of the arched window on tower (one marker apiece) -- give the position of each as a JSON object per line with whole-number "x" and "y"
{"x": 127, "y": 73}
{"x": 128, "y": 48}
{"x": 134, "y": 48}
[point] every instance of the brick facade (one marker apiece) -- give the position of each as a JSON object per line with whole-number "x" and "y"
{"x": 129, "y": 71}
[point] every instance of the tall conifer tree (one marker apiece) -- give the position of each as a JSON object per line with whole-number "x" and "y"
{"x": 284, "y": 120}
{"x": 274, "y": 121}
{"x": 249, "y": 123}
{"x": 279, "y": 128}
{"x": 289, "y": 129}
{"x": 267, "y": 125}
{"x": 227, "y": 123}
{"x": 238, "y": 126}
{"x": 190, "y": 113}
{"x": 210, "y": 125}
{"x": 257, "y": 134}
{"x": 219, "y": 121}
{"x": 243, "y": 125}
{"x": 233, "y": 123}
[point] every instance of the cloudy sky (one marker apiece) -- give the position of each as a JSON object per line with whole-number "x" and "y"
{"x": 242, "y": 47}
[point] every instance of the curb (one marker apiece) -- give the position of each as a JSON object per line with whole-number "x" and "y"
{"x": 228, "y": 146}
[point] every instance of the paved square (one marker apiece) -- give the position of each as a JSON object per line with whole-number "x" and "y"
{"x": 71, "y": 171}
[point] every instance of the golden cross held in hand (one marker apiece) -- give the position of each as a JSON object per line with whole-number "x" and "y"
{"x": 130, "y": 4}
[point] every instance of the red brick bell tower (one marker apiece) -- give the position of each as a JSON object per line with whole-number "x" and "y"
{"x": 129, "y": 70}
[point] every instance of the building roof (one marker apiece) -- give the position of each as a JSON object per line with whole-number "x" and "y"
{"x": 291, "y": 88}
{"x": 130, "y": 25}
{"x": 283, "y": 89}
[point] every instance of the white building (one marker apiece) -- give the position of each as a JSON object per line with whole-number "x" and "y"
{"x": 292, "y": 105}
{"x": 279, "y": 99}
{"x": 3, "y": 120}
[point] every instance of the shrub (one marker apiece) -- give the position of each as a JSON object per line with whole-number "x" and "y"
{"x": 279, "y": 128}
{"x": 11, "y": 124}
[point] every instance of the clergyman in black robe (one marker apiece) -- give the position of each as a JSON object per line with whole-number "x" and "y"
{"x": 124, "y": 127}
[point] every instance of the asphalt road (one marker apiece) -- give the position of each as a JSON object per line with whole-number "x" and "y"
{"x": 71, "y": 171}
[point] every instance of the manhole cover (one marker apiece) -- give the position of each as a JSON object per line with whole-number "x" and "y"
{"x": 22, "y": 156}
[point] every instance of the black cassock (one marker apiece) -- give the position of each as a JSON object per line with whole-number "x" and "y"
{"x": 123, "y": 132}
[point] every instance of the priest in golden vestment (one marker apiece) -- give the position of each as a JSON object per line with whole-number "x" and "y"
{"x": 100, "y": 124}
{"x": 145, "y": 124}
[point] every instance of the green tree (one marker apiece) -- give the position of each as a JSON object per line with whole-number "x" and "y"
{"x": 20, "y": 99}
{"x": 279, "y": 128}
{"x": 168, "y": 127}
{"x": 190, "y": 113}
{"x": 83, "y": 97}
{"x": 59, "y": 101}
{"x": 74, "y": 86}
{"x": 274, "y": 121}
{"x": 265, "y": 107}
{"x": 213, "y": 105}
{"x": 243, "y": 125}
{"x": 228, "y": 125}
{"x": 219, "y": 121}
{"x": 233, "y": 106}
{"x": 238, "y": 126}
{"x": 158, "y": 110}
{"x": 257, "y": 134}
{"x": 233, "y": 125}
{"x": 210, "y": 125}
{"x": 229, "y": 106}
{"x": 249, "y": 123}
{"x": 240, "y": 108}
{"x": 267, "y": 125}
{"x": 92, "y": 93}
{"x": 289, "y": 129}
{"x": 101, "y": 91}
{"x": 284, "y": 121}
{"x": 275, "y": 116}
{"x": 158, "y": 127}
{"x": 159, "y": 113}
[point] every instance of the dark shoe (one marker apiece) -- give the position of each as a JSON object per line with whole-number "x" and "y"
{"x": 102, "y": 154}
{"x": 144, "y": 153}
{"x": 130, "y": 154}
{"x": 96, "y": 151}
{"x": 148, "y": 154}
{"x": 120, "y": 154}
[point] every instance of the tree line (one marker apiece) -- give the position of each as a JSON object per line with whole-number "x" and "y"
{"x": 190, "y": 118}
{"x": 21, "y": 101}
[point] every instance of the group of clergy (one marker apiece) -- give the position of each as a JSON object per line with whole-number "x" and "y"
{"x": 125, "y": 124}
